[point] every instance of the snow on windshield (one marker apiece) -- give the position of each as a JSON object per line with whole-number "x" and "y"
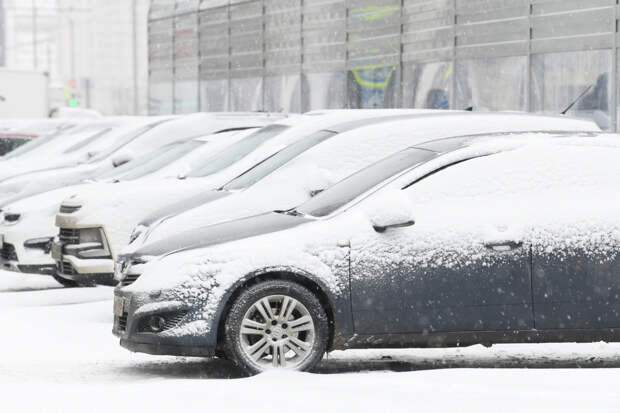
{"x": 151, "y": 162}
{"x": 237, "y": 151}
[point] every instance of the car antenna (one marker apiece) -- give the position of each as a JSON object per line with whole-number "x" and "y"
{"x": 576, "y": 100}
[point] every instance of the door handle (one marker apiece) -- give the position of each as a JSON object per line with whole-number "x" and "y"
{"x": 504, "y": 246}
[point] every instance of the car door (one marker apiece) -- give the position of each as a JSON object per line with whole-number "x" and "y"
{"x": 576, "y": 250}
{"x": 461, "y": 267}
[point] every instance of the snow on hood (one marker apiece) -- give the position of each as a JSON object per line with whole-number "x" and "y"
{"x": 119, "y": 206}
{"x": 37, "y": 212}
{"x": 195, "y": 277}
{"x": 30, "y": 184}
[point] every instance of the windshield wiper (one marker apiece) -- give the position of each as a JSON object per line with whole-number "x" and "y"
{"x": 292, "y": 212}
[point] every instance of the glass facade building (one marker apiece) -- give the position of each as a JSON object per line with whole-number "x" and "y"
{"x": 299, "y": 55}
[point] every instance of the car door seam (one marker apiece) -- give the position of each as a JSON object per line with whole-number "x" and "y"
{"x": 533, "y": 309}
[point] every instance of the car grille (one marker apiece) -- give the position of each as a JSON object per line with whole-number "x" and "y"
{"x": 121, "y": 322}
{"x": 8, "y": 252}
{"x": 130, "y": 279}
{"x": 66, "y": 209}
{"x": 69, "y": 236}
{"x": 66, "y": 268}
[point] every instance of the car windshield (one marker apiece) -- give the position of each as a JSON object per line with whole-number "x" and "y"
{"x": 33, "y": 144}
{"x": 151, "y": 161}
{"x": 90, "y": 138}
{"x": 237, "y": 151}
{"x": 125, "y": 140}
{"x": 274, "y": 162}
{"x": 357, "y": 184}
{"x": 9, "y": 144}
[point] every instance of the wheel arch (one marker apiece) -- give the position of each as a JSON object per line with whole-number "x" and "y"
{"x": 303, "y": 278}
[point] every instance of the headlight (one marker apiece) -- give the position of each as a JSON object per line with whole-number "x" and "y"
{"x": 92, "y": 244}
{"x": 88, "y": 235}
{"x": 11, "y": 218}
{"x": 44, "y": 244}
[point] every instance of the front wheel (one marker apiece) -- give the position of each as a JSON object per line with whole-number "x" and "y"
{"x": 64, "y": 282}
{"x": 276, "y": 324}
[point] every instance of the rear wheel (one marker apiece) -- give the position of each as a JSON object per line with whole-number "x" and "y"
{"x": 276, "y": 324}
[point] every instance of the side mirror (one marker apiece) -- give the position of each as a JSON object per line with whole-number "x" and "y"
{"x": 391, "y": 211}
{"x": 315, "y": 192}
{"x": 121, "y": 159}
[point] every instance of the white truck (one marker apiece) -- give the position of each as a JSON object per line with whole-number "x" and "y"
{"x": 23, "y": 94}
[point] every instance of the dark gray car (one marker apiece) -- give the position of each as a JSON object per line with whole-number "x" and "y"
{"x": 479, "y": 239}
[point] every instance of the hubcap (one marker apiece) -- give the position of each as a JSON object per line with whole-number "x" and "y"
{"x": 277, "y": 331}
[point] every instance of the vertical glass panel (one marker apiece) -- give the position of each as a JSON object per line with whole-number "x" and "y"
{"x": 427, "y": 85}
{"x": 558, "y": 79}
{"x": 160, "y": 92}
{"x": 492, "y": 83}
{"x": 373, "y": 87}
{"x": 283, "y": 93}
{"x": 324, "y": 91}
{"x": 246, "y": 94}
{"x": 185, "y": 95}
{"x": 214, "y": 95}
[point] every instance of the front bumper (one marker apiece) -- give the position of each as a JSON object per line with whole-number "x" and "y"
{"x": 82, "y": 271}
{"x": 132, "y": 311}
{"x": 15, "y": 257}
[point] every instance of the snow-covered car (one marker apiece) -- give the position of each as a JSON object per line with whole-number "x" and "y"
{"x": 63, "y": 147}
{"x": 27, "y": 226}
{"x": 17, "y": 132}
{"x": 96, "y": 211}
{"x": 289, "y": 178}
{"x": 481, "y": 239}
{"x": 123, "y": 148}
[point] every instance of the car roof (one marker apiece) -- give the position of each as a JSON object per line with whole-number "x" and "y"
{"x": 449, "y": 144}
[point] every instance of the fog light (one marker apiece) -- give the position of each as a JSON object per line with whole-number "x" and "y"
{"x": 156, "y": 323}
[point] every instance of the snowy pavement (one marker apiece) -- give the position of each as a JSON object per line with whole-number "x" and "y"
{"x": 57, "y": 353}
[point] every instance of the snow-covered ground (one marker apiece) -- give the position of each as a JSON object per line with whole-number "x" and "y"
{"x": 57, "y": 354}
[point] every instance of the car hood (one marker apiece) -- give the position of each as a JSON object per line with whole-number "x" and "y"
{"x": 220, "y": 233}
{"x": 183, "y": 205}
{"x": 119, "y": 207}
{"x": 34, "y": 183}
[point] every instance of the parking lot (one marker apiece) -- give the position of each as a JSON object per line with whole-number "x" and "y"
{"x": 57, "y": 351}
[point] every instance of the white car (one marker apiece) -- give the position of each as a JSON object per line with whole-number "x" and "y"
{"x": 27, "y": 226}
{"x": 126, "y": 147}
{"x": 95, "y": 213}
{"x": 358, "y": 148}
{"x": 66, "y": 147}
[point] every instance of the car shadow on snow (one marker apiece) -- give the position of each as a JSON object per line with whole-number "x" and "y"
{"x": 194, "y": 368}
{"x": 14, "y": 282}
{"x": 388, "y": 363}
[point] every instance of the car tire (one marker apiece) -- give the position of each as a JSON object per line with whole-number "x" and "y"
{"x": 292, "y": 333}
{"x": 65, "y": 283}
